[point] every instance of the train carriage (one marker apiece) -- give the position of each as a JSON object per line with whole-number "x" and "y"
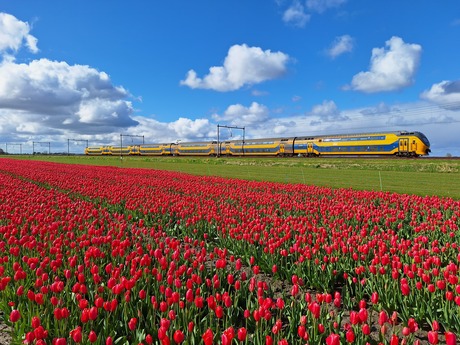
{"x": 120, "y": 151}
{"x": 402, "y": 143}
{"x": 259, "y": 147}
{"x": 97, "y": 150}
{"x": 195, "y": 149}
{"x": 392, "y": 143}
{"x": 155, "y": 149}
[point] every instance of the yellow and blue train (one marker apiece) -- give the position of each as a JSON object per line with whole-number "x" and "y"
{"x": 400, "y": 143}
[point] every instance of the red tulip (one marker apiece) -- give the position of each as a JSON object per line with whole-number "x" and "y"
{"x": 60, "y": 341}
{"x": 242, "y": 334}
{"x": 93, "y": 313}
{"x": 405, "y": 331}
{"x": 321, "y": 328}
{"x": 315, "y": 309}
{"x": 363, "y": 314}
{"x": 191, "y": 326}
{"x": 366, "y": 329}
{"x": 219, "y": 311}
{"x": 394, "y": 340}
{"x": 178, "y": 336}
{"x": 225, "y": 339}
{"x": 76, "y": 335}
{"x": 405, "y": 289}
{"x": 451, "y": 338}
{"x": 92, "y": 337}
{"x": 433, "y": 337}
{"x": 35, "y": 322}
{"x": 132, "y": 324}
{"x": 350, "y": 336}
{"x": 333, "y": 339}
{"x": 375, "y": 298}
{"x": 15, "y": 315}
{"x": 208, "y": 337}
{"x": 383, "y": 317}
{"x": 268, "y": 340}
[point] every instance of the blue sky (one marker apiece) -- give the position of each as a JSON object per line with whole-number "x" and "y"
{"x": 173, "y": 70}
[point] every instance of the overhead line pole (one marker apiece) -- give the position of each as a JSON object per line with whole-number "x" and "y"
{"x": 41, "y": 142}
{"x": 77, "y": 140}
{"x": 20, "y": 147}
{"x": 230, "y": 127}
{"x": 131, "y": 136}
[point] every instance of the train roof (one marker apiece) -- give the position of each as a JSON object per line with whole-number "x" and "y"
{"x": 301, "y": 137}
{"x": 351, "y": 135}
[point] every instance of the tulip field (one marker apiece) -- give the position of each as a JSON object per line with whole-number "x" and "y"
{"x": 110, "y": 255}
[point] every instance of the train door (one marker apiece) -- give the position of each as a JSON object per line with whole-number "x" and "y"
{"x": 413, "y": 146}
{"x": 224, "y": 148}
{"x": 281, "y": 149}
{"x": 309, "y": 149}
{"x": 403, "y": 146}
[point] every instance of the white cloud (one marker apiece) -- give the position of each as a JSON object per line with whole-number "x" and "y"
{"x": 322, "y": 5}
{"x": 296, "y": 15}
{"x": 183, "y": 129}
{"x": 243, "y": 66}
{"x": 341, "y": 45}
{"x": 14, "y": 33}
{"x": 390, "y": 69}
{"x": 326, "y": 112}
{"x": 61, "y": 96}
{"x": 240, "y": 115}
{"x": 327, "y": 108}
{"x": 446, "y": 94}
{"x": 187, "y": 128}
{"x": 259, "y": 93}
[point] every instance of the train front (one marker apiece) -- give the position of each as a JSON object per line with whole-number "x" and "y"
{"x": 424, "y": 150}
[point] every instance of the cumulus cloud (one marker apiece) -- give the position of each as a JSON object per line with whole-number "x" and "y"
{"x": 327, "y": 108}
{"x": 326, "y": 111}
{"x": 390, "y": 69}
{"x": 446, "y": 94}
{"x": 187, "y": 128}
{"x": 379, "y": 109}
{"x": 296, "y": 15}
{"x": 62, "y": 96}
{"x": 182, "y": 129}
{"x": 45, "y": 100}
{"x": 14, "y": 34}
{"x": 237, "y": 114}
{"x": 323, "y": 5}
{"x": 243, "y": 65}
{"x": 341, "y": 45}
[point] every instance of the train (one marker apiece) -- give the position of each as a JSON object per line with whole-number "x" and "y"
{"x": 398, "y": 143}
